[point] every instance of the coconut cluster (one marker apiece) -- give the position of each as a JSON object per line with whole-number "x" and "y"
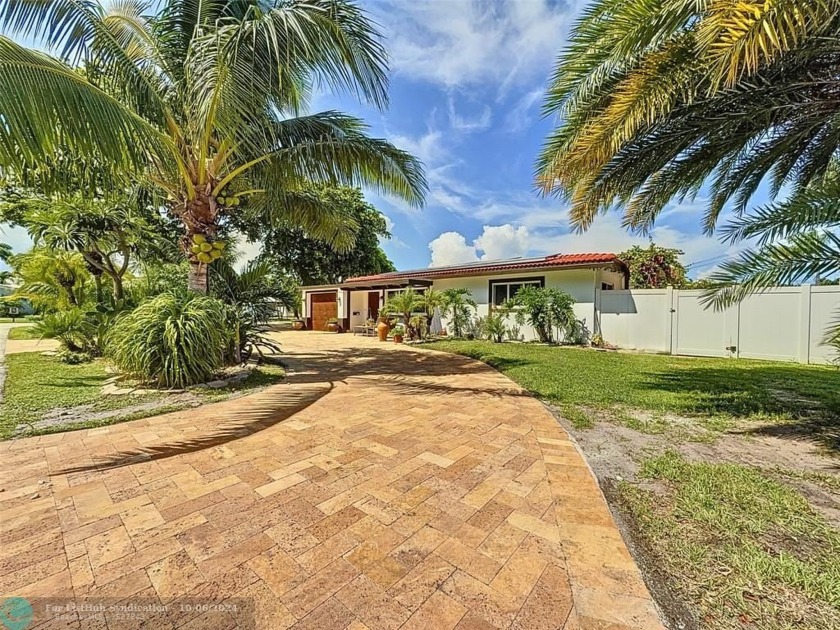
{"x": 206, "y": 251}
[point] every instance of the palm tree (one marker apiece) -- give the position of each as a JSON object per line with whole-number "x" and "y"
{"x": 796, "y": 239}
{"x": 657, "y": 98}
{"x": 52, "y": 280}
{"x": 457, "y": 304}
{"x": 203, "y": 100}
{"x": 432, "y": 299}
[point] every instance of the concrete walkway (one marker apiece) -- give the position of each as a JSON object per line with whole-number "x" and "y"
{"x": 379, "y": 487}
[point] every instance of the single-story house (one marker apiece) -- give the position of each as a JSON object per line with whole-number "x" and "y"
{"x": 356, "y": 300}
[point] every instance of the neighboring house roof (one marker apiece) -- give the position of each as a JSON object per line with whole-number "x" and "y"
{"x": 491, "y": 267}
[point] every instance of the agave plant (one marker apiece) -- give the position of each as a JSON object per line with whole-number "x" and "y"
{"x": 203, "y": 101}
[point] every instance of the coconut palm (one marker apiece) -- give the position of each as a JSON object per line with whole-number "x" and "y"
{"x": 202, "y": 99}
{"x": 657, "y": 98}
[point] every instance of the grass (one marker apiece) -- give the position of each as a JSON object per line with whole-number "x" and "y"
{"x": 23, "y": 333}
{"x": 37, "y": 384}
{"x": 713, "y": 389}
{"x": 742, "y": 548}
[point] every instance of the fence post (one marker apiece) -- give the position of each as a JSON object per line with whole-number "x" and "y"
{"x": 804, "y": 354}
{"x": 671, "y": 298}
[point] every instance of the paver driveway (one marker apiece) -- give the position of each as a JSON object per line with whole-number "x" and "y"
{"x": 379, "y": 487}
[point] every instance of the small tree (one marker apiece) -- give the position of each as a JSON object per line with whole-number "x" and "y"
{"x": 403, "y": 304}
{"x": 549, "y": 311}
{"x": 457, "y": 304}
{"x": 655, "y": 267}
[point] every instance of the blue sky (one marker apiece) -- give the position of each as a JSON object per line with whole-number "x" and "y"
{"x": 468, "y": 78}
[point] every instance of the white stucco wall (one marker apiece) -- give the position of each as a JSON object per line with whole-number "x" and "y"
{"x": 579, "y": 283}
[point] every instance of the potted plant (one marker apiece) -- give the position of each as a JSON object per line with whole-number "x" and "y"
{"x": 399, "y": 332}
{"x": 333, "y": 325}
{"x": 298, "y": 324}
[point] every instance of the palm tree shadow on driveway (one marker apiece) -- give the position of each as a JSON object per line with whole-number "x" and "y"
{"x": 311, "y": 376}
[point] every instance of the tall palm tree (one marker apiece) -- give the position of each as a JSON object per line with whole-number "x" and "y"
{"x": 204, "y": 100}
{"x": 656, "y": 98}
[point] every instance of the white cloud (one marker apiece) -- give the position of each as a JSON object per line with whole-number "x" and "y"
{"x": 451, "y": 248}
{"x": 503, "y": 241}
{"x": 606, "y": 235}
{"x": 519, "y": 117}
{"x": 466, "y": 124}
{"x": 467, "y": 42}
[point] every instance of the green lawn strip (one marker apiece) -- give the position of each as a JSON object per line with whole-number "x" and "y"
{"x": 744, "y": 549}
{"x": 713, "y": 389}
{"x": 23, "y": 333}
{"x": 36, "y": 384}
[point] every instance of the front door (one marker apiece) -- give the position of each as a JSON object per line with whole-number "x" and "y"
{"x": 373, "y": 304}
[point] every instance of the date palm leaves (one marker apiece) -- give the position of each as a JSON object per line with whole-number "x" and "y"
{"x": 655, "y": 97}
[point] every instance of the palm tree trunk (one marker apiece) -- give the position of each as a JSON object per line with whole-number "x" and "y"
{"x": 199, "y": 218}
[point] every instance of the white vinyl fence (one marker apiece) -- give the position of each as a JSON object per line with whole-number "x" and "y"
{"x": 783, "y": 324}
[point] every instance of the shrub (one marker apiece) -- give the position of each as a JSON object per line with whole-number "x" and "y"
{"x": 172, "y": 339}
{"x": 71, "y": 328}
{"x": 549, "y": 311}
{"x": 493, "y": 327}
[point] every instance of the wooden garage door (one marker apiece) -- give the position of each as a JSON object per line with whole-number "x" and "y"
{"x": 324, "y": 307}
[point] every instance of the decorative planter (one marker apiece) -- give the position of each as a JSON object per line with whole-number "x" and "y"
{"x": 398, "y": 338}
{"x": 382, "y": 330}
{"x": 298, "y": 324}
{"x": 333, "y": 327}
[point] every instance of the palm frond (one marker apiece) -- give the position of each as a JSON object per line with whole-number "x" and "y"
{"x": 47, "y": 107}
{"x": 801, "y": 257}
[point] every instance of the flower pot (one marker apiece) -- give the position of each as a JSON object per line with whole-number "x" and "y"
{"x": 382, "y": 330}
{"x": 298, "y": 324}
{"x": 398, "y": 338}
{"x": 333, "y": 327}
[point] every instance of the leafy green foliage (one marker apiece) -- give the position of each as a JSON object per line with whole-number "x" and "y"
{"x": 493, "y": 326}
{"x": 458, "y": 306}
{"x": 202, "y": 102}
{"x": 796, "y": 241}
{"x": 655, "y": 267}
{"x": 52, "y": 279}
{"x": 251, "y": 296}
{"x": 549, "y": 310}
{"x": 654, "y": 99}
{"x": 403, "y": 305}
{"x": 71, "y": 328}
{"x": 173, "y": 340}
{"x": 315, "y": 261}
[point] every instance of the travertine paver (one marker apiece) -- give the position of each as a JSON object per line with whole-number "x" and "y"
{"x": 379, "y": 487}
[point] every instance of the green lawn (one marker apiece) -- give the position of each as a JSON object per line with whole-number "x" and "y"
{"x": 716, "y": 388}
{"x": 36, "y": 384}
{"x": 738, "y": 545}
{"x": 23, "y": 332}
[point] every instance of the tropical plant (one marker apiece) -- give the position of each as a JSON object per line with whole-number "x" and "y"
{"x": 548, "y": 310}
{"x": 6, "y": 252}
{"x": 202, "y": 100}
{"x": 6, "y": 276}
{"x": 106, "y": 232}
{"x": 433, "y": 299}
{"x": 71, "y": 328}
{"x": 655, "y": 267}
{"x": 654, "y": 99}
{"x": 172, "y": 340}
{"x": 493, "y": 326}
{"x": 457, "y": 306}
{"x": 404, "y": 304}
{"x": 252, "y": 296}
{"x": 314, "y": 261}
{"x": 51, "y": 279}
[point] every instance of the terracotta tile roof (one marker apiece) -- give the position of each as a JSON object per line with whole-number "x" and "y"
{"x": 548, "y": 262}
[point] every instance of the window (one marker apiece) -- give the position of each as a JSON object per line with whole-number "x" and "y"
{"x": 501, "y": 290}
{"x": 607, "y": 286}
